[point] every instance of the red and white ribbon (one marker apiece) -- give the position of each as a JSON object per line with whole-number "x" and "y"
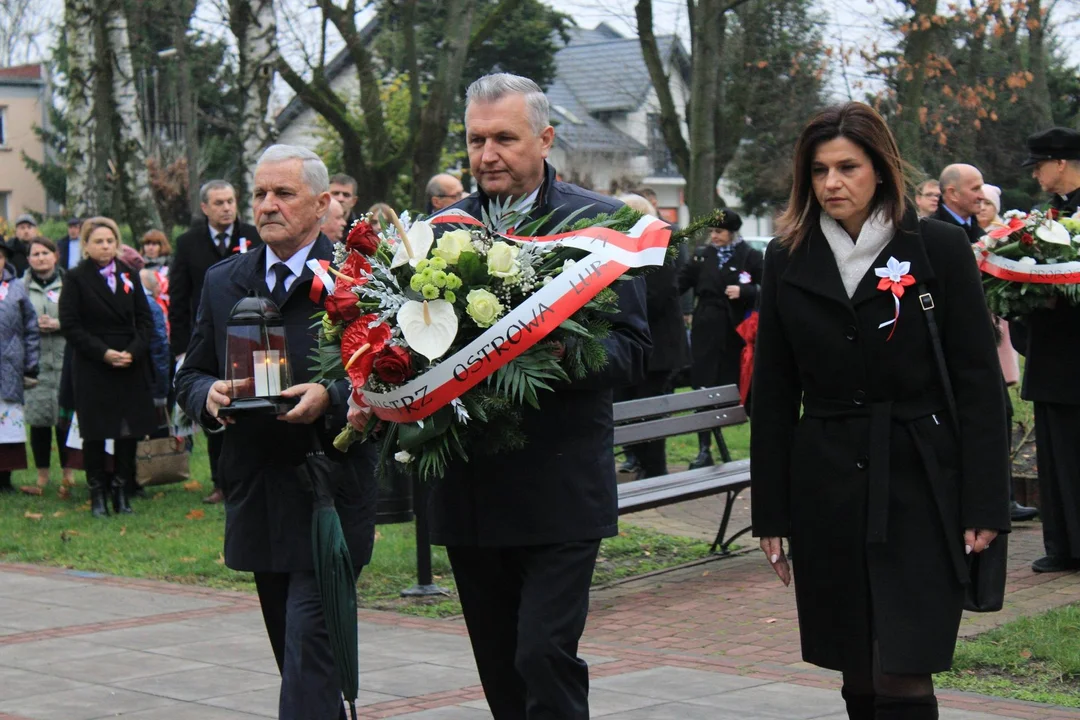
{"x": 128, "y": 285}
{"x": 321, "y": 280}
{"x": 611, "y": 254}
{"x": 894, "y": 277}
{"x": 1014, "y": 271}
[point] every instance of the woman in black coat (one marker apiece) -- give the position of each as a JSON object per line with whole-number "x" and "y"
{"x": 725, "y": 276}
{"x": 880, "y": 498}
{"x": 107, "y": 322}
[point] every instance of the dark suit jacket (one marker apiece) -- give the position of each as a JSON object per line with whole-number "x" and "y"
{"x": 267, "y": 505}
{"x": 194, "y": 254}
{"x": 973, "y": 231}
{"x": 95, "y": 319}
{"x": 63, "y": 249}
{"x": 561, "y": 486}
{"x": 670, "y": 347}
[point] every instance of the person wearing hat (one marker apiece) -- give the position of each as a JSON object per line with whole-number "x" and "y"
{"x": 69, "y": 248}
{"x": 1051, "y": 348}
{"x": 725, "y": 276}
{"x": 1054, "y": 159}
{"x": 26, "y": 229}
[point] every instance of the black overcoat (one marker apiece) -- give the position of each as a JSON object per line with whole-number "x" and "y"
{"x": 715, "y": 347}
{"x": 194, "y": 254}
{"x": 670, "y": 348}
{"x": 561, "y": 486}
{"x": 972, "y": 229}
{"x": 267, "y": 507}
{"x": 110, "y": 402}
{"x": 871, "y": 484}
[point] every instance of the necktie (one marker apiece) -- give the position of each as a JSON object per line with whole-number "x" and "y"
{"x": 222, "y": 242}
{"x": 281, "y": 271}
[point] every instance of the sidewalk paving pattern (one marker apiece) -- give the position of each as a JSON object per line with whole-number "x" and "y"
{"x": 716, "y": 640}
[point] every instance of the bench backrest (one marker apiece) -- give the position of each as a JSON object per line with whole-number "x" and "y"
{"x": 641, "y": 420}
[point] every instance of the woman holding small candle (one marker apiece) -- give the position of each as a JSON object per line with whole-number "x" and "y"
{"x": 107, "y": 321}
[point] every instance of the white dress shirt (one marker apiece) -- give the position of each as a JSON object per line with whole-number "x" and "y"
{"x": 295, "y": 263}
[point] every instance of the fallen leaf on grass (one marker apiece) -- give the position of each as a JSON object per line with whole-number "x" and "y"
{"x": 705, "y": 574}
{"x": 32, "y": 515}
{"x": 378, "y": 536}
{"x": 123, "y": 530}
{"x": 1025, "y": 654}
{"x": 221, "y": 559}
{"x": 770, "y": 621}
{"x": 158, "y": 496}
{"x": 59, "y": 513}
{"x": 193, "y": 486}
{"x": 195, "y": 515}
{"x": 85, "y": 507}
{"x": 187, "y": 559}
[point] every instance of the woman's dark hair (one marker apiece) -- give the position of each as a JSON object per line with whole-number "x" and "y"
{"x": 43, "y": 242}
{"x": 862, "y": 125}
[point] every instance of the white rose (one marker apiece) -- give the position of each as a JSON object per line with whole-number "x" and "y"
{"x": 1027, "y": 261}
{"x": 403, "y": 457}
{"x": 502, "y": 260}
{"x": 569, "y": 263}
{"x": 450, "y": 246}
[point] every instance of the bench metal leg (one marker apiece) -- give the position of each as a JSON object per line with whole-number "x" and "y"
{"x": 720, "y": 542}
{"x": 721, "y": 445}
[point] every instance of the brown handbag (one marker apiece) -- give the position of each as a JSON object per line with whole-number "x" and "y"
{"x": 159, "y": 462}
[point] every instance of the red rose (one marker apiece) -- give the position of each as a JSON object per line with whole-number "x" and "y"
{"x": 363, "y": 238}
{"x": 393, "y": 365}
{"x": 341, "y": 305}
{"x": 353, "y": 340}
{"x": 1054, "y": 212}
{"x": 1026, "y": 239}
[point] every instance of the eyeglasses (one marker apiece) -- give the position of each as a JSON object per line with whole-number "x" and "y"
{"x": 936, "y": 196}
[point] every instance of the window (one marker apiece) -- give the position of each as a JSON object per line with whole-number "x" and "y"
{"x": 4, "y": 197}
{"x": 3, "y": 129}
{"x": 660, "y": 160}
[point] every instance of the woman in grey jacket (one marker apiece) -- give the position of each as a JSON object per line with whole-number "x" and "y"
{"x": 19, "y": 342}
{"x": 43, "y": 283}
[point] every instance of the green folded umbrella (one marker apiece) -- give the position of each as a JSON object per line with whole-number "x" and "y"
{"x": 334, "y": 571}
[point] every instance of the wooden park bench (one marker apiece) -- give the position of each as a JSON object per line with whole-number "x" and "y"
{"x": 654, "y": 418}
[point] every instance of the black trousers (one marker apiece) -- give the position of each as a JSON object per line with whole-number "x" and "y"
{"x": 41, "y": 445}
{"x": 123, "y": 457}
{"x": 525, "y": 608}
{"x": 1057, "y": 428}
{"x": 651, "y": 455}
{"x": 292, "y": 611}
{"x": 214, "y": 443}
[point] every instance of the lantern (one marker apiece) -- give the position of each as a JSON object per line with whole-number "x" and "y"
{"x": 258, "y": 361}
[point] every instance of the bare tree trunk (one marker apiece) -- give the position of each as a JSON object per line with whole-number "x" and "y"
{"x": 909, "y": 127}
{"x": 187, "y": 111}
{"x": 132, "y": 175}
{"x": 255, "y": 28}
{"x": 1041, "y": 113}
{"x": 670, "y": 125}
{"x": 82, "y": 181}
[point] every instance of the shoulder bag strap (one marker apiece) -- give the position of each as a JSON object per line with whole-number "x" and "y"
{"x": 926, "y": 300}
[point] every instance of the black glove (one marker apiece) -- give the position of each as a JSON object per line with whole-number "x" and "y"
{"x": 31, "y": 372}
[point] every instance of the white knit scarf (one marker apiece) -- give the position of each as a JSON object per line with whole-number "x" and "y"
{"x": 854, "y": 259}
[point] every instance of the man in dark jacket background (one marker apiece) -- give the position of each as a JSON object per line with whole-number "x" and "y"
{"x": 210, "y": 240}
{"x": 961, "y": 194}
{"x": 268, "y": 505}
{"x": 522, "y": 529}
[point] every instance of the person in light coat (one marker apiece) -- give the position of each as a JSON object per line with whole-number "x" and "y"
{"x": 20, "y": 344}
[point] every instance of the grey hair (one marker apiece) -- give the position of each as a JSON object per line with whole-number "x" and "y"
{"x": 204, "y": 191}
{"x": 637, "y": 202}
{"x": 494, "y": 87}
{"x": 313, "y": 169}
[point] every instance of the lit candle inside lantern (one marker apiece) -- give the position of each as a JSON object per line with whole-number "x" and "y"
{"x": 273, "y": 373}
{"x": 261, "y": 365}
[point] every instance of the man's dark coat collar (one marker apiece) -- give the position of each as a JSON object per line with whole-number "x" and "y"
{"x": 249, "y": 271}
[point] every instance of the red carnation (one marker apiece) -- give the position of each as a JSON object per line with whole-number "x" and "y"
{"x": 363, "y": 238}
{"x": 341, "y": 304}
{"x": 360, "y": 343}
{"x": 393, "y": 365}
{"x": 1027, "y": 239}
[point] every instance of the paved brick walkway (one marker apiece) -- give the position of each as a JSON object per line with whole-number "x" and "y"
{"x": 717, "y": 640}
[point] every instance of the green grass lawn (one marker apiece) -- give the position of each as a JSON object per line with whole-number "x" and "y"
{"x": 1034, "y": 658}
{"x": 173, "y": 536}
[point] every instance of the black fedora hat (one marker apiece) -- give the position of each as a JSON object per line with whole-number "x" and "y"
{"x": 1057, "y": 143}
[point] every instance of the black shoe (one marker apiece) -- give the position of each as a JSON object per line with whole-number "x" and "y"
{"x": 119, "y": 498}
{"x": 1055, "y": 563}
{"x": 703, "y": 459}
{"x": 98, "y": 507}
{"x": 630, "y": 465}
{"x": 1022, "y": 513}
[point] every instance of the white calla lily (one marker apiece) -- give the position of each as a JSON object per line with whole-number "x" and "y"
{"x": 1026, "y": 260}
{"x": 415, "y": 246}
{"x": 429, "y": 327}
{"x": 1052, "y": 231}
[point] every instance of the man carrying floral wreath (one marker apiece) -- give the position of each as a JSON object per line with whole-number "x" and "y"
{"x": 522, "y": 528}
